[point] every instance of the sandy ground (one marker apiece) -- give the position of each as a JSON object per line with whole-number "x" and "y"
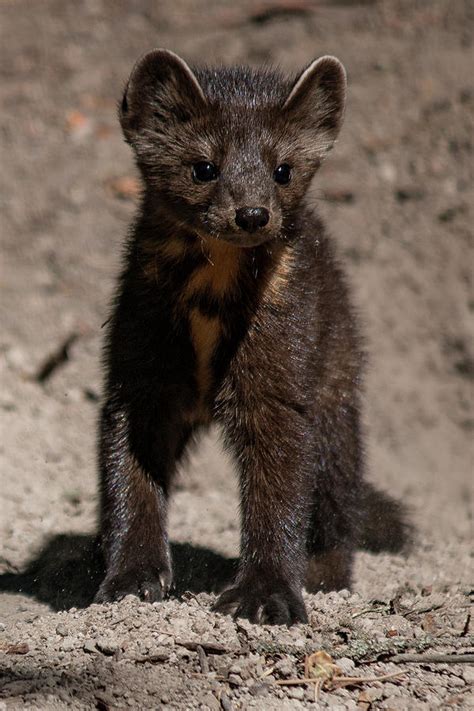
{"x": 397, "y": 194}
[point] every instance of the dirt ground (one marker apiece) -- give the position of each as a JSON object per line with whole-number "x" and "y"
{"x": 397, "y": 194}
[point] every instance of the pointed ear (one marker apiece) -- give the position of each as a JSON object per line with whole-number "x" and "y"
{"x": 161, "y": 88}
{"x": 316, "y": 101}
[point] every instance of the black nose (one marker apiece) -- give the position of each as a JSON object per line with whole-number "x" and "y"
{"x": 251, "y": 219}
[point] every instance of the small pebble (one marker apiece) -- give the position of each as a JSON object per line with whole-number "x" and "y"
{"x": 456, "y": 680}
{"x": 235, "y": 679}
{"x": 258, "y": 689}
{"x": 68, "y": 645}
{"x": 285, "y": 667}
{"x": 210, "y": 701}
{"x": 346, "y": 666}
{"x": 370, "y": 695}
{"x": 296, "y": 693}
{"x": 390, "y": 690}
{"x": 468, "y": 674}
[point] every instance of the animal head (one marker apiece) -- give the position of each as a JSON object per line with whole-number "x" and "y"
{"x": 230, "y": 152}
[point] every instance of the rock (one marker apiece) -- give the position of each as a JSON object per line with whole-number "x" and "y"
{"x": 259, "y": 688}
{"x": 235, "y": 680}
{"x": 107, "y": 647}
{"x": 390, "y": 690}
{"x": 89, "y": 646}
{"x": 62, "y": 630}
{"x": 368, "y": 696}
{"x": 285, "y": 667}
{"x": 200, "y": 627}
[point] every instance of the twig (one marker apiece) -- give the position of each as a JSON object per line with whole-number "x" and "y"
{"x": 210, "y": 647}
{"x": 317, "y": 690}
{"x": 465, "y": 629}
{"x": 378, "y": 610}
{"x": 203, "y": 662}
{"x": 434, "y": 658}
{"x": 422, "y": 610}
{"x": 152, "y": 658}
{"x": 56, "y": 359}
{"x": 267, "y": 672}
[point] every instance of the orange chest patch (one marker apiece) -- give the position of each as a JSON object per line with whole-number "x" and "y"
{"x": 205, "y": 335}
{"x": 219, "y": 275}
{"x": 217, "y": 278}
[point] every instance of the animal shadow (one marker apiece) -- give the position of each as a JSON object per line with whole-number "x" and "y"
{"x": 68, "y": 570}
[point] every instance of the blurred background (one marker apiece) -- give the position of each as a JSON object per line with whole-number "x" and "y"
{"x": 396, "y": 194}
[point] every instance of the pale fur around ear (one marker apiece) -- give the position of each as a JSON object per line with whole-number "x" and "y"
{"x": 316, "y": 101}
{"x": 161, "y": 87}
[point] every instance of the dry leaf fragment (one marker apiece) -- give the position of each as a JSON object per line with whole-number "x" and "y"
{"x": 320, "y": 665}
{"x": 124, "y": 188}
{"x": 428, "y": 623}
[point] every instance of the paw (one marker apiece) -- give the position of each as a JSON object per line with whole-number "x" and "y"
{"x": 268, "y": 604}
{"x": 147, "y": 585}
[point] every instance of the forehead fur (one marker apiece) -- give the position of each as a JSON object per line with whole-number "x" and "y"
{"x": 243, "y": 86}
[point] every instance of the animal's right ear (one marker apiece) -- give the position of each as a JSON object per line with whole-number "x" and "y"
{"x": 315, "y": 104}
{"x": 161, "y": 88}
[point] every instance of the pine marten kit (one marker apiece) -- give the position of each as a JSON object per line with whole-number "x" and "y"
{"x": 232, "y": 309}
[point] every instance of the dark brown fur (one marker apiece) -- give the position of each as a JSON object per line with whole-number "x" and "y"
{"x": 252, "y": 330}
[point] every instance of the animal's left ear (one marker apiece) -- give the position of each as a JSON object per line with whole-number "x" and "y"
{"x": 316, "y": 102}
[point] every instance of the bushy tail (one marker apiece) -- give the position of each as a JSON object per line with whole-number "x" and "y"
{"x": 385, "y": 524}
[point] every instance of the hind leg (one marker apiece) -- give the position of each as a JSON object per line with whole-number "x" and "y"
{"x": 337, "y": 511}
{"x": 330, "y": 570}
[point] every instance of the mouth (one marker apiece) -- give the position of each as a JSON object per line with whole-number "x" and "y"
{"x": 246, "y": 240}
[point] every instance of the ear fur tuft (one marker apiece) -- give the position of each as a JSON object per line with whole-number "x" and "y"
{"x": 161, "y": 86}
{"x": 316, "y": 101}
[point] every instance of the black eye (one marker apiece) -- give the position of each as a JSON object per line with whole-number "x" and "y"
{"x": 204, "y": 171}
{"x": 282, "y": 174}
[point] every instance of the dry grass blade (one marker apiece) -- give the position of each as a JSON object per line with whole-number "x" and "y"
{"x": 355, "y": 680}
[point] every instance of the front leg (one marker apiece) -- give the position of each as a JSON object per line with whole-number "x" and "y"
{"x": 270, "y": 441}
{"x": 137, "y": 459}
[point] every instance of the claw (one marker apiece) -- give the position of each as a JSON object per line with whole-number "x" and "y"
{"x": 263, "y": 606}
{"x": 139, "y": 583}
